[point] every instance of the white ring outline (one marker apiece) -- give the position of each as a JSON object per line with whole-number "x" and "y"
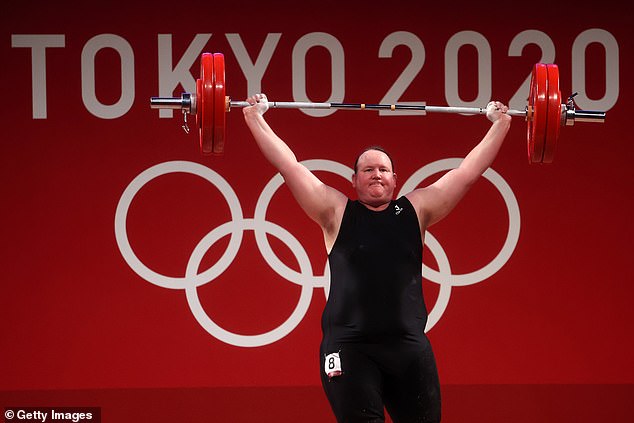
{"x": 514, "y": 222}
{"x": 121, "y": 233}
{"x": 442, "y": 301}
{"x": 248, "y": 340}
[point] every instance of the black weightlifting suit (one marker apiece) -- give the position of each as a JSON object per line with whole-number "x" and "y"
{"x": 375, "y": 318}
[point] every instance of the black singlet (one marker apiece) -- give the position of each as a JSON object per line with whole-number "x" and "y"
{"x": 375, "y": 277}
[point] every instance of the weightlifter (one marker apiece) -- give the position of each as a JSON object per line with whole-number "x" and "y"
{"x": 374, "y": 352}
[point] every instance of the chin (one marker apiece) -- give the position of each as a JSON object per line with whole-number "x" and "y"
{"x": 377, "y": 201}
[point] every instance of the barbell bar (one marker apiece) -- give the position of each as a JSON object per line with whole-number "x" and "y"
{"x": 544, "y": 113}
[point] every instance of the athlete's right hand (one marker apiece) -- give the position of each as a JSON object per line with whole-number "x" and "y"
{"x": 259, "y": 104}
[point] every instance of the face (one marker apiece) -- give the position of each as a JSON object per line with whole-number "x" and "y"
{"x": 374, "y": 179}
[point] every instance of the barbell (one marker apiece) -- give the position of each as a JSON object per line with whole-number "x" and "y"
{"x": 544, "y": 113}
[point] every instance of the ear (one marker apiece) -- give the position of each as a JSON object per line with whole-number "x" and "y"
{"x": 354, "y": 180}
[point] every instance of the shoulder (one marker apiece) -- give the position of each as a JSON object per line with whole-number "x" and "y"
{"x": 417, "y": 201}
{"x": 417, "y": 197}
{"x": 332, "y": 224}
{"x": 406, "y": 204}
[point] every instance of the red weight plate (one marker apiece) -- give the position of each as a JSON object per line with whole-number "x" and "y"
{"x": 553, "y": 121}
{"x": 205, "y": 103}
{"x": 538, "y": 105}
{"x": 219, "y": 103}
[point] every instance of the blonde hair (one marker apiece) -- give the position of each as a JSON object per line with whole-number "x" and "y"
{"x": 370, "y": 148}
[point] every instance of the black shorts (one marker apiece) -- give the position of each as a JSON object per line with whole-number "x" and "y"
{"x": 403, "y": 378}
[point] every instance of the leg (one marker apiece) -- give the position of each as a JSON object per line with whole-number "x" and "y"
{"x": 412, "y": 388}
{"x": 355, "y": 396}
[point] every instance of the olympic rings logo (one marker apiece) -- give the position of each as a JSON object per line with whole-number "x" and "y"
{"x": 305, "y": 277}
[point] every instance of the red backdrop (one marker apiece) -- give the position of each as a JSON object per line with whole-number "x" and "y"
{"x": 136, "y": 270}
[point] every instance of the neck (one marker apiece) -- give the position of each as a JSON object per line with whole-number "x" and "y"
{"x": 374, "y": 206}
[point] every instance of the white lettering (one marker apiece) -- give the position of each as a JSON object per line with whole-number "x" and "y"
{"x": 451, "y": 68}
{"x": 521, "y": 40}
{"x": 31, "y": 415}
{"x": 254, "y": 66}
{"x": 38, "y": 45}
{"x": 88, "y": 83}
{"x": 169, "y": 77}
{"x": 253, "y": 72}
{"x": 337, "y": 55}
{"x": 413, "y": 68}
{"x": 611, "y": 47}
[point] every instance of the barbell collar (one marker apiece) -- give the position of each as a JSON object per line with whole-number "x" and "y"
{"x": 573, "y": 115}
{"x": 186, "y": 103}
{"x": 166, "y": 103}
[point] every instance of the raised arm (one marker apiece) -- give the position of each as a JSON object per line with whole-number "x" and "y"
{"x": 436, "y": 201}
{"x": 320, "y": 202}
